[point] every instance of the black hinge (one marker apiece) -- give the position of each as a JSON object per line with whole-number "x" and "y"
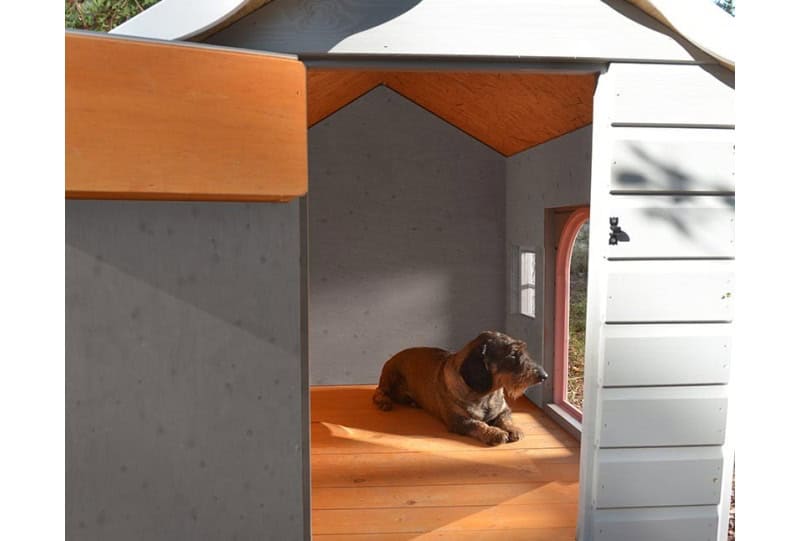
{"x": 617, "y": 234}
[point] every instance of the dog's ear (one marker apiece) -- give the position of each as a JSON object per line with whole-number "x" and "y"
{"x": 475, "y": 371}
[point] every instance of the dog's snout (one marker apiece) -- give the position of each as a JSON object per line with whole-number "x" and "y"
{"x": 542, "y": 374}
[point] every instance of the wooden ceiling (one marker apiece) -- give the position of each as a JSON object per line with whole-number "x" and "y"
{"x": 510, "y": 112}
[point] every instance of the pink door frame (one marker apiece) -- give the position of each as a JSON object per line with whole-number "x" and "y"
{"x": 566, "y": 243}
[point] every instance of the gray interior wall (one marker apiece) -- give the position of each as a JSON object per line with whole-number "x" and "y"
{"x": 184, "y": 382}
{"x": 406, "y": 237}
{"x": 553, "y": 174}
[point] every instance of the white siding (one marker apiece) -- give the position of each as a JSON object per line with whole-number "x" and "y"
{"x": 656, "y": 291}
{"x": 673, "y": 226}
{"x": 667, "y": 354}
{"x": 652, "y": 416}
{"x": 659, "y": 476}
{"x": 660, "y": 524}
{"x": 672, "y": 95}
{"x": 659, "y": 306}
{"x": 672, "y": 160}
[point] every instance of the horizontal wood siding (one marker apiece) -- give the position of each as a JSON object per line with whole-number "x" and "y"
{"x": 663, "y": 305}
{"x": 659, "y": 524}
{"x": 659, "y": 477}
{"x": 656, "y": 291}
{"x": 652, "y": 416}
{"x": 673, "y": 226}
{"x": 182, "y": 122}
{"x": 674, "y": 354}
{"x": 670, "y": 95}
{"x": 672, "y": 160}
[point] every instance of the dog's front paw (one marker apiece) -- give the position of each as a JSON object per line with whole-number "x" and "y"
{"x": 515, "y": 434}
{"x": 494, "y": 436}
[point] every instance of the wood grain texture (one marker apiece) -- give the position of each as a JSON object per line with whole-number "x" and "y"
{"x": 330, "y": 90}
{"x": 509, "y": 112}
{"x": 182, "y": 122}
{"x": 504, "y": 534}
{"x": 391, "y": 480}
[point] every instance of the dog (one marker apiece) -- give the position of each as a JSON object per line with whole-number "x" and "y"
{"x": 467, "y": 389}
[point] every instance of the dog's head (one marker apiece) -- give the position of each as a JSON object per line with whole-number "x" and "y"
{"x": 495, "y": 360}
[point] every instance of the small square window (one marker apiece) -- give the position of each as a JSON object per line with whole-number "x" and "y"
{"x": 527, "y": 283}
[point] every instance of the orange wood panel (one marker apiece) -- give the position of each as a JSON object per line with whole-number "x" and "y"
{"x": 439, "y": 496}
{"x": 445, "y": 468}
{"x": 158, "y": 120}
{"x": 399, "y": 475}
{"x": 451, "y": 518}
{"x": 330, "y": 90}
{"x": 509, "y": 112}
{"x": 500, "y": 534}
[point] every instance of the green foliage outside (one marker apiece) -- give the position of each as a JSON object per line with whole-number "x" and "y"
{"x": 578, "y": 278}
{"x": 102, "y": 15}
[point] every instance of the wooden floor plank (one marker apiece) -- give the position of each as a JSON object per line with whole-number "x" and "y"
{"x": 400, "y": 475}
{"x": 439, "y": 496}
{"x": 500, "y": 534}
{"x": 329, "y": 438}
{"x": 453, "y": 518}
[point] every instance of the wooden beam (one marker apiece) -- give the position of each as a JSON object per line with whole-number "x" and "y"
{"x": 156, "y": 120}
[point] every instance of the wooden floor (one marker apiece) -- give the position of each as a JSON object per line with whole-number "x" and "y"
{"x": 399, "y": 475}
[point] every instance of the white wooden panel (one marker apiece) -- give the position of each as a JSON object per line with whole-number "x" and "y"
{"x": 658, "y": 524}
{"x": 659, "y": 476}
{"x": 667, "y": 354}
{"x": 663, "y": 291}
{"x": 651, "y": 416}
{"x": 672, "y": 160}
{"x": 672, "y": 94}
{"x": 568, "y": 29}
{"x": 673, "y": 226}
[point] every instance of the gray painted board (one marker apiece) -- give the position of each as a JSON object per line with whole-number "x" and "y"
{"x": 672, "y": 95}
{"x": 184, "y": 372}
{"x": 657, "y": 524}
{"x": 553, "y": 174}
{"x": 669, "y": 416}
{"x": 672, "y": 160}
{"x": 690, "y": 354}
{"x": 673, "y": 226}
{"x": 563, "y": 29}
{"x": 658, "y": 476}
{"x": 406, "y": 237}
{"x": 661, "y": 291}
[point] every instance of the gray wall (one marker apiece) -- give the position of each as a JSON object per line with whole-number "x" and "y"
{"x": 554, "y": 174}
{"x": 406, "y": 237}
{"x": 184, "y": 373}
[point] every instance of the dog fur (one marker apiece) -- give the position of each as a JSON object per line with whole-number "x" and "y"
{"x": 467, "y": 389}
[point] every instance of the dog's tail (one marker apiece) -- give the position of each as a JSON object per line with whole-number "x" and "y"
{"x": 382, "y": 400}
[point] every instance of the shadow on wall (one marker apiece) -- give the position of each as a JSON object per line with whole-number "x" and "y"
{"x": 336, "y": 19}
{"x": 406, "y": 237}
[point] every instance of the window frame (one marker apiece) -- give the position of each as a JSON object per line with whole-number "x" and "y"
{"x": 566, "y": 243}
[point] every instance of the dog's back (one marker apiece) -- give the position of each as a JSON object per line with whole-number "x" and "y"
{"x": 407, "y": 376}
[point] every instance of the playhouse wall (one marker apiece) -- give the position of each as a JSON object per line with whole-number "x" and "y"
{"x": 406, "y": 237}
{"x": 553, "y": 174}
{"x": 660, "y": 306}
{"x": 185, "y": 397}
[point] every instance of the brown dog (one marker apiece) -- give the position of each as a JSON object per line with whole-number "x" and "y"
{"x": 464, "y": 389}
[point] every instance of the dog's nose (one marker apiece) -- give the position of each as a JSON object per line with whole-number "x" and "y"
{"x": 543, "y": 375}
